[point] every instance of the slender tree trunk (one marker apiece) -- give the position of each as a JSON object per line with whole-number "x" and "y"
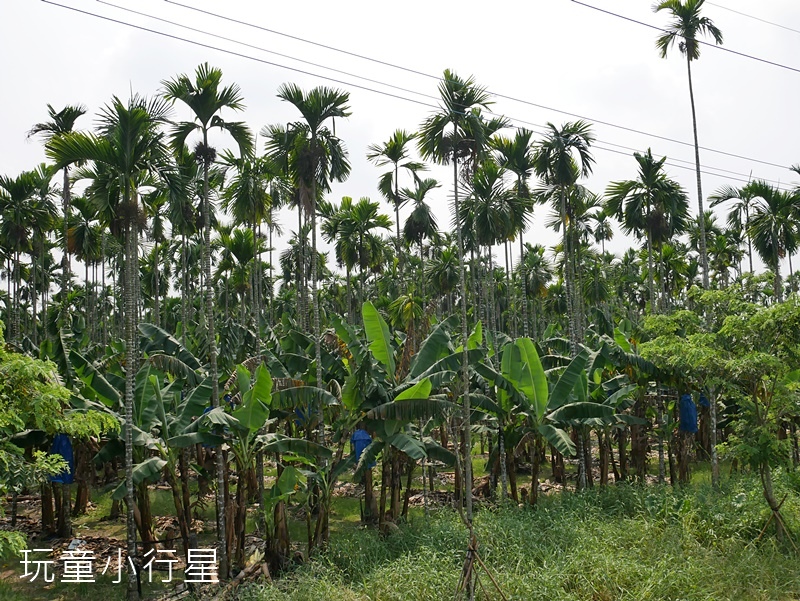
{"x": 465, "y": 356}
{"x": 650, "y": 275}
{"x": 219, "y": 461}
{"x": 712, "y": 413}
{"x": 701, "y": 216}
{"x": 65, "y": 263}
{"x": 131, "y": 357}
{"x": 524, "y": 273}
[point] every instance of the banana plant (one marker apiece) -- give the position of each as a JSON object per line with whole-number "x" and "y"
{"x": 389, "y": 403}
{"x": 171, "y": 392}
{"x": 241, "y": 429}
{"x": 526, "y": 401}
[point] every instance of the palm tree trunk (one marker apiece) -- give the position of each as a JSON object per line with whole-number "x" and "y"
{"x": 130, "y": 382}
{"x": 315, "y": 302}
{"x": 65, "y": 266}
{"x": 569, "y": 277}
{"x": 650, "y": 276}
{"x": 33, "y": 299}
{"x": 713, "y": 438}
{"x": 184, "y": 286}
{"x": 156, "y": 304}
{"x": 465, "y": 357}
{"x": 701, "y": 216}
{"x": 219, "y": 461}
{"x": 524, "y": 273}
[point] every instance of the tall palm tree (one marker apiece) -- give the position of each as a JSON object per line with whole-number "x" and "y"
{"x": 45, "y": 219}
{"x": 18, "y": 210}
{"x": 603, "y": 230}
{"x": 317, "y": 158}
{"x": 129, "y": 143}
{"x": 61, "y": 122}
{"x": 774, "y": 227}
{"x": 445, "y": 138}
{"x": 652, "y": 206}
{"x": 686, "y": 27}
{"x": 207, "y": 98}
{"x": 739, "y": 215}
{"x": 394, "y": 152}
{"x": 517, "y": 156}
{"x": 246, "y": 196}
{"x": 538, "y": 272}
{"x": 421, "y": 224}
{"x": 561, "y": 158}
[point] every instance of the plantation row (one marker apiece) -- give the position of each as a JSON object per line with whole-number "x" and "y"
{"x": 184, "y": 354}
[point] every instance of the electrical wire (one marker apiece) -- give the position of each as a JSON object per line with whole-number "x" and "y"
{"x": 241, "y": 55}
{"x": 754, "y": 17}
{"x": 494, "y": 93}
{"x": 703, "y": 42}
{"x": 260, "y": 48}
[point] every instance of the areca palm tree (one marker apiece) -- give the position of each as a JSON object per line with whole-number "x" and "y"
{"x": 517, "y": 156}
{"x": 61, "y": 122}
{"x": 652, "y": 206}
{"x": 207, "y": 98}
{"x": 773, "y": 226}
{"x": 538, "y": 272}
{"x": 394, "y": 152}
{"x": 561, "y": 158}
{"x": 316, "y": 159}
{"x": 18, "y": 210}
{"x": 686, "y": 27}
{"x": 603, "y": 230}
{"x": 739, "y": 215}
{"x": 421, "y": 224}
{"x": 45, "y": 219}
{"x": 246, "y": 196}
{"x": 445, "y": 138}
{"x": 129, "y": 143}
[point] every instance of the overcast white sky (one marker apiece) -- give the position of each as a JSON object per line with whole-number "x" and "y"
{"x": 549, "y": 52}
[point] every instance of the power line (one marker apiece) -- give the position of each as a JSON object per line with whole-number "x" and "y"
{"x": 754, "y": 17}
{"x": 705, "y": 171}
{"x": 497, "y": 94}
{"x": 241, "y": 55}
{"x": 703, "y": 42}
{"x": 233, "y": 53}
{"x": 260, "y": 48}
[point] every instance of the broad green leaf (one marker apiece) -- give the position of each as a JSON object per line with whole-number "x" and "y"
{"x": 410, "y": 446}
{"x": 350, "y": 397}
{"x": 558, "y": 438}
{"x": 575, "y": 413}
{"x": 420, "y": 390}
{"x": 566, "y": 383}
{"x": 411, "y": 409}
{"x": 193, "y": 405}
{"x": 105, "y": 392}
{"x": 193, "y": 438}
{"x": 146, "y": 471}
{"x": 435, "y": 347}
{"x": 278, "y": 443}
{"x": 539, "y": 381}
{"x": 622, "y": 341}
{"x": 262, "y": 387}
{"x": 378, "y": 335}
{"x": 303, "y": 396}
{"x": 243, "y": 379}
{"x": 476, "y": 337}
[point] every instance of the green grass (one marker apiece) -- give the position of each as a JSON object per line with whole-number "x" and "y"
{"x": 626, "y": 542}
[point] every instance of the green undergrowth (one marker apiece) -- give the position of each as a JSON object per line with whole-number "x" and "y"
{"x": 625, "y": 542}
